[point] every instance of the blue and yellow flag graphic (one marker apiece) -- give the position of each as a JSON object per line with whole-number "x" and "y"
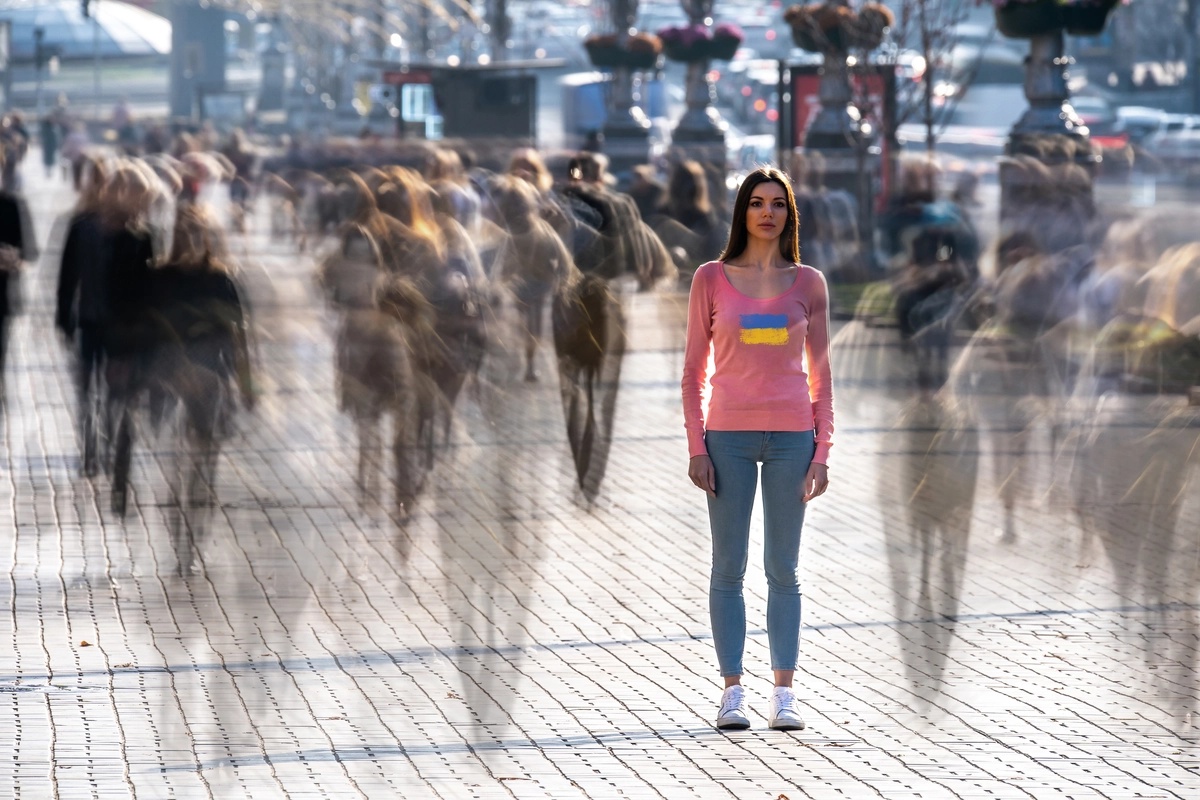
{"x": 764, "y": 329}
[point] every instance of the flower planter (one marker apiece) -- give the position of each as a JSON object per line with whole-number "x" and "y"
{"x": 1085, "y": 20}
{"x": 698, "y": 42}
{"x": 831, "y": 26}
{"x": 1025, "y": 20}
{"x": 723, "y": 48}
{"x": 613, "y": 57}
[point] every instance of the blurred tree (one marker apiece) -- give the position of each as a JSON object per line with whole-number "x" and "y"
{"x": 924, "y": 41}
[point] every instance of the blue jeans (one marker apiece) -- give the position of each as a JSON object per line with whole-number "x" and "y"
{"x": 785, "y": 457}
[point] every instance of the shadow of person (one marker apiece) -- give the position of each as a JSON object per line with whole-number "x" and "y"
{"x": 1133, "y": 469}
{"x": 487, "y": 504}
{"x": 928, "y": 476}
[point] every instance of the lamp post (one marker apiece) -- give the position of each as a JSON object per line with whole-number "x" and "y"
{"x": 627, "y": 128}
{"x": 700, "y": 133}
{"x": 1049, "y": 131}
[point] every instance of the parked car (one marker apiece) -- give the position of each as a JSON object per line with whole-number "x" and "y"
{"x": 1141, "y": 121}
{"x": 1170, "y": 125}
{"x": 1179, "y": 152}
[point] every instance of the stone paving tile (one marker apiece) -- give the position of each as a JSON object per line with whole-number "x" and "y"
{"x": 511, "y": 641}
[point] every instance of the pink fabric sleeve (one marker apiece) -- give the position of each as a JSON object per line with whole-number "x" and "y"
{"x": 820, "y": 376}
{"x": 697, "y": 345}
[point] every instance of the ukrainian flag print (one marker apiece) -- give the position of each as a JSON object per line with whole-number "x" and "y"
{"x": 764, "y": 329}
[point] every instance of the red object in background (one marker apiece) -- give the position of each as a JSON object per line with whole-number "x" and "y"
{"x": 401, "y": 77}
{"x": 874, "y": 89}
{"x": 1112, "y": 140}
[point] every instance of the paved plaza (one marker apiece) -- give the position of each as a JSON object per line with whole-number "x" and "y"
{"x": 511, "y": 640}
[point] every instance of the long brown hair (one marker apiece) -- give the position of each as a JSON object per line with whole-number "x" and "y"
{"x": 739, "y": 236}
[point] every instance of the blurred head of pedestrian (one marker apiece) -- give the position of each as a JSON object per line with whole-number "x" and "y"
{"x": 408, "y": 198}
{"x": 687, "y": 192}
{"x": 589, "y": 168}
{"x": 94, "y": 174}
{"x": 739, "y": 228}
{"x": 527, "y": 164}
{"x": 647, "y": 191}
{"x": 444, "y": 164}
{"x": 198, "y": 241}
{"x": 918, "y": 180}
{"x": 126, "y": 196}
{"x": 516, "y": 202}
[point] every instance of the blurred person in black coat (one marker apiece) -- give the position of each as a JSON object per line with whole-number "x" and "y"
{"x": 127, "y": 257}
{"x": 82, "y": 303}
{"x": 198, "y": 361}
{"x": 17, "y": 245}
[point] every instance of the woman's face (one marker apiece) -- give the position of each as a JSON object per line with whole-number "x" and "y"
{"x": 767, "y": 214}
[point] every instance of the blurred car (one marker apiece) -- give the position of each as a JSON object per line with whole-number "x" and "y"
{"x": 1179, "y": 152}
{"x": 1166, "y": 148}
{"x": 1141, "y": 121}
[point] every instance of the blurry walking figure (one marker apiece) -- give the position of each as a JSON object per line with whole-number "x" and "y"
{"x": 17, "y": 245}
{"x": 14, "y": 137}
{"x": 931, "y": 288}
{"x": 534, "y": 263}
{"x": 74, "y": 151}
{"x": 1135, "y": 458}
{"x": 127, "y": 254}
{"x": 200, "y": 359}
{"x": 590, "y": 340}
{"x": 648, "y": 192}
{"x": 829, "y": 236}
{"x": 927, "y": 479}
{"x": 625, "y": 244}
{"x": 125, "y": 129}
{"x": 384, "y": 319}
{"x": 244, "y": 161}
{"x": 51, "y": 129}
{"x": 430, "y": 249}
{"x": 1049, "y": 193}
{"x": 82, "y": 307}
{"x": 686, "y": 222}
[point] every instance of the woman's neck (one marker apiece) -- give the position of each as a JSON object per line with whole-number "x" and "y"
{"x": 761, "y": 254}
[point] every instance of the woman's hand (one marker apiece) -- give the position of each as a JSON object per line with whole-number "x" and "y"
{"x": 700, "y": 470}
{"x": 816, "y": 481}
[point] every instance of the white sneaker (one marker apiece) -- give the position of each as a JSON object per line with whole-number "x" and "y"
{"x": 784, "y": 715}
{"x": 732, "y": 715}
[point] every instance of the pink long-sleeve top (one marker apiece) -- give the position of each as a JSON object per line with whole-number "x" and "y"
{"x": 770, "y": 359}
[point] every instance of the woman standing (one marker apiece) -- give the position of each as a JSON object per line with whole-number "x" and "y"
{"x": 764, "y": 317}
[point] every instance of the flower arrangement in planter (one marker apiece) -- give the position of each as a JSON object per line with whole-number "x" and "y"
{"x": 697, "y": 42}
{"x": 639, "y": 51}
{"x": 1023, "y": 19}
{"x": 835, "y": 26}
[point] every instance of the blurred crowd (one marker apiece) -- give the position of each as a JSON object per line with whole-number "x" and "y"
{"x": 436, "y": 259}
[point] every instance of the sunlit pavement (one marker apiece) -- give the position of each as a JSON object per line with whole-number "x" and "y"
{"x": 510, "y": 641}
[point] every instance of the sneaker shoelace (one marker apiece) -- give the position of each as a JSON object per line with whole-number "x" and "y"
{"x": 732, "y": 702}
{"x": 783, "y": 702}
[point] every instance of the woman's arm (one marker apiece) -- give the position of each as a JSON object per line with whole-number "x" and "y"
{"x": 697, "y": 345}
{"x": 820, "y": 379}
